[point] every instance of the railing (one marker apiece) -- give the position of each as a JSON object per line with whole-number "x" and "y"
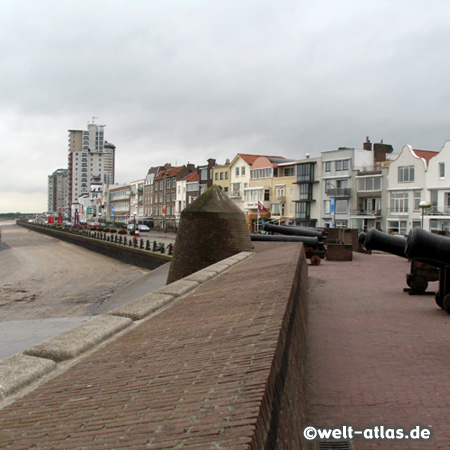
{"x": 397, "y": 211}
{"x": 366, "y": 212}
{"x": 339, "y": 192}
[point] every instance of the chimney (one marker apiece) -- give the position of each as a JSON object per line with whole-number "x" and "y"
{"x": 367, "y": 145}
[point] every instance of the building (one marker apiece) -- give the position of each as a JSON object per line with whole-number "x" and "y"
{"x": 116, "y": 205}
{"x": 58, "y": 199}
{"x": 137, "y": 200}
{"x": 338, "y": 184}
{"x": 407, "y": 188}
{"x": 89, "y": 158}
{"x": 239, "y": 170}
{"x": 437, "y": 217}
{"x": 165, "y": 194}
{"x": 371, "y": 189}
{"x": 221, "y": 175}
{"x": 307, "y": 196}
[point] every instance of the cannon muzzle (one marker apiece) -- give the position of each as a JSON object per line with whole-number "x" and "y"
{"x": 426, "y": 246}
{"x": 377, "y": 240}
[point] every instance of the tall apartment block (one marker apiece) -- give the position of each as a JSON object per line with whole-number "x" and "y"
{"x": 58, "y": 199}
{"x": 90, "y": 158}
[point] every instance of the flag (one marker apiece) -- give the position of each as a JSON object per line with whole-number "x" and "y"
{"x": 261, "y": 207}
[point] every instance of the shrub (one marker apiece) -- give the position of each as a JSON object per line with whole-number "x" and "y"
{"x": 122, "y": 231}
{"x": 112, "y": 230}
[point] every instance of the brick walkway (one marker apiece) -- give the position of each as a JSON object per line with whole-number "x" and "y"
{"x": 194, "y": 375}
{"x": 377, "y": 355}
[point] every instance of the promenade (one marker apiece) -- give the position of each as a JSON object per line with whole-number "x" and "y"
{"x": 377, "y": 356}
{"x": 194, "y": 376}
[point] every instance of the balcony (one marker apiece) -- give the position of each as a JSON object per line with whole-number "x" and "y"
{"x": 366, "y": 212}
{"x": 339, "y": 192}
{"x": 402, "y": 211}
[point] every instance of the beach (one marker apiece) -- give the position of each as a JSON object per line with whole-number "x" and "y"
{"x": 42, "y": 277}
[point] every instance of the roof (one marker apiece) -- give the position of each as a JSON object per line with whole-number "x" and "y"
{"x": 250, "y": 159}
{"x": 169, "y": 172}
{"x": 425, "y": 154}
{"x": 191, "y": 177}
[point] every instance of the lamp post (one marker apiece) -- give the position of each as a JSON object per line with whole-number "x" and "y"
{"x": 422, "y": 205}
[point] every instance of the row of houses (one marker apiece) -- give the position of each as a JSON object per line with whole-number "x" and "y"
{"x": 347, "y": 187}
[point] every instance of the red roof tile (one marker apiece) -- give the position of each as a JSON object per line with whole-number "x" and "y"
{"x": 194, "y": 176}
{"x": 170, "y": 172}
{"x": 250, "y": 159}
{"x": 425, "y": 154}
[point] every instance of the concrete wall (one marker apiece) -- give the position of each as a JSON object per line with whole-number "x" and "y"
{"x": 128, "y": 255}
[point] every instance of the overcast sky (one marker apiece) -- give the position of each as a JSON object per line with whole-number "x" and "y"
{"x": 183, "y": 81}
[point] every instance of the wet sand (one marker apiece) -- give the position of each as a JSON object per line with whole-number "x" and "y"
{"x": 42, "y": 277}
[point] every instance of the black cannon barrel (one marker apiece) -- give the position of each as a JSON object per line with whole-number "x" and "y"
{"x": 426, "y": 246}
{"x": 293, "y": 231}
{"x": 377, "y": 240}
{"x": 308, "y": 241}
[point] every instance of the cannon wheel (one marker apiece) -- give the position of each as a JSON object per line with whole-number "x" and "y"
{"x": 315, "y": 260}
{"x": 446, "y": 303}
{"x": 419, "y": 283}
{"x": 439, "y": 301}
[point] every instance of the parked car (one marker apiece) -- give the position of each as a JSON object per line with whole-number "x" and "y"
{"x": 130, "y": 227}
{"x": 143, "y": 228}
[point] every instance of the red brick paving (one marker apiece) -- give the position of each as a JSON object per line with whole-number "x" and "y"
{"x": 377, "y": 356}
{"x": 195, "y": 375}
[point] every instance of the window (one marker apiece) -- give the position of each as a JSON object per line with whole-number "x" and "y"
{"x": 226, "y": 176}
{"x": 417, "y": 195}
{"x": 338, "y": 165}
{"x": 328, "y": 166}
{"x": 341, "y": 206}
{"x": 216, "y": 177}
{"x": 280, "y": 191}
{"x": 369, "y": 184}
{"x": 399, "y": 202}
{"x": 441, "y": 170}
{"x": 345, "y": 164}
{"x": 203, "y": 174}
{"x": 305, "y": 172}
{"x": 303, "y": 210}
{"x": 243, "y": 171}
{"x": 221, "y": 175}
{"x": 237, "y": 171}
{"x": 306, "y": 191}
{"x": 406, "y": 174}
{"x": 289, "y": 172}
{"x": 236, "y": 189}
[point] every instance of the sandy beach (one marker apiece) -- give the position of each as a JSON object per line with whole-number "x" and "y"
{"x": 42, "y": 277}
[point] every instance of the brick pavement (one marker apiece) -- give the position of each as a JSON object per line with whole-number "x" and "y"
{"x": 195, "y": 375}
{"x": 377, "y": 356}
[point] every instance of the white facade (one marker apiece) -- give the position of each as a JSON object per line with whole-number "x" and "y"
{"x": 137, "y": 199}
{"x": 438, "y": 191}
{"x": 239, "y": 178}
{"x": 407, "y": 181}
{"x": 339, "y": 184}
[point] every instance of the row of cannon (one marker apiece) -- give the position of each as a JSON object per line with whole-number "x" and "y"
{"x": 312, "y": 239}
{"x": 429, "y": 254}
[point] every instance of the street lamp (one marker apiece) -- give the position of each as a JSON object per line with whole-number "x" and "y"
{"x": 422, "y": 205}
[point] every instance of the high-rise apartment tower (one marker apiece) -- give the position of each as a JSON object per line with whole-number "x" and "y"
{"x": 90, "y": 157}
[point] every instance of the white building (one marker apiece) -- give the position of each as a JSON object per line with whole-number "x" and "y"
{"x": 438, "y": 191}
{"x": 88, "y": 160}
{"x": 339, "y": 184}
{"x": 407, "y": 188}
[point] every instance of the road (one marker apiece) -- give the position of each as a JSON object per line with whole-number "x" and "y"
{"x": 48, "y": 286}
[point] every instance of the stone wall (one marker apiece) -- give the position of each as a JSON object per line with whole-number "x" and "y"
{"x": 128, "y": 255}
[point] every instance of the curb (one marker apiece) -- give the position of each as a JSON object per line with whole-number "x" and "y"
{"x": 20, "y": 371}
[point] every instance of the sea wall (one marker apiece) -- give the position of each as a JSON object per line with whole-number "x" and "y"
{"x": 129, "y": 255}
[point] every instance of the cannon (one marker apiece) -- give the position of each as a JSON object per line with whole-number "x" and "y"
{"x": 291, "y": 230}
{"x": 421, "y": 272}
{"x": 314, "y": 248}
{"x": 435, "y": 250}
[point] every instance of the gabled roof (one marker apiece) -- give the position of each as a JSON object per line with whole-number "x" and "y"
{"x": 250, "y": 159}
{"x": 425, "y": 154}
{"x": 169, "y": 172}
{"x": 192, "y": 177}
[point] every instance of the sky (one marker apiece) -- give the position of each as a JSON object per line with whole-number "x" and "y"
{"x": 186, "y": 80}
